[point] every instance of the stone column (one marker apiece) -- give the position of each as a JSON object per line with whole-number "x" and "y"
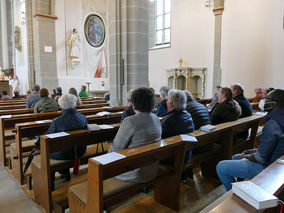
{"x": 45, "y": 51}
{"x": 218, "y": 11}
{"x": 128, "y": 47}
{"x": 4, "y": 36}
{"x": 44, "y": 45}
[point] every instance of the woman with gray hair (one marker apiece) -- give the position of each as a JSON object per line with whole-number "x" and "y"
{"x": 177, "y": 120}
{"x": 69, "y": 120}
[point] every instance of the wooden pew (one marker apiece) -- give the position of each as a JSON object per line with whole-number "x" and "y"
{"x": 100, "y": 191}
{"x": 42, "y": 166}
{"x": 30, "y": 129}
{"x": 222, "y": 140}
{"x": 12, "y": 103}
{"x": 12, "y": 100}
{"x": 9, "y": 123}
{"x": 94, "y": 101}
{"x": 270, "y": 179}
{"x": 81, "y": 195}
{"x": 9, "y": 107}
{"x": 16, "y": 111}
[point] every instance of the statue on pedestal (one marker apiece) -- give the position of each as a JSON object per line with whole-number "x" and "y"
{"x": 74, "y": 42}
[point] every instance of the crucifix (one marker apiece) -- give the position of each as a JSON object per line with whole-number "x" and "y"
{"x": 180, "y": 62}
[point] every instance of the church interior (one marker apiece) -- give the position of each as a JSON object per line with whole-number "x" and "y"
{"x": 141, "y": 106}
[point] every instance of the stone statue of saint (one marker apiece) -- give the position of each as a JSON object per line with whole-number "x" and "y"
{"x": 17, "y": 38}
{"x": 74, "y": 43}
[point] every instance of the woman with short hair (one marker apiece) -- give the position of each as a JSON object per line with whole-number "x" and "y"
{"x": 69, "y": 120}
{"x": 227, "y": 109}
{"x": 140, "y": 129}
{"x": 177, "y": 120}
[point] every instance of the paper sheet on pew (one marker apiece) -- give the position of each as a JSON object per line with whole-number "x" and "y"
{"x": 103, "y": 113}
{"x": 42, "y": 121}
{"x": 6, "y": 116}
{"x": 109, "y": 158}
{"x": 57, "y": 135}
{"x": 188, "y": 138}
{"x": 105, "y": 126}
{"x": 261, "y": 113}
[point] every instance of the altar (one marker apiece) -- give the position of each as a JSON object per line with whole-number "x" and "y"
{"x": 98, "y": 93}
{"x": 188, "y": 78}
{"x": 4, "y": 86}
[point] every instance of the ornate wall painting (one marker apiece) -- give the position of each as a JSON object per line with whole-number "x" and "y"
{"x": 95, "y": 30}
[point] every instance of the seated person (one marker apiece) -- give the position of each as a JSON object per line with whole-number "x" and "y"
{"x": 16, "y": 94}
{"x": 162, "y": 107}
{"x": 259, "y": 95}
{"x": 73, "y": 91}
{"x": 268, "y": 90}
{"x": 5, "y": 95}
{"x": 251, "y": 162}
{"x": 45, "y": 104}
{"x": 215, "y": 98}
{"x": 140, "y": 129}
{"x": 198, "y": 111}
{"x": 53, "y": 94}
{"x": 129, "y": 110}
{"x": 238, "y": 96}
{"x": 83, "y": 92}
{"x": 69, "y": 120}
{"x": 58, "y": 91}
{"x": 33, "y": 98}
{"x": 107, "y": 97}
{"x": 226, "y": 109}
{"x": 177, "y": 120}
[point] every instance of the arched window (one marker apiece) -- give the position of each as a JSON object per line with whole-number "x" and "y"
{"x": 163, "y": 21}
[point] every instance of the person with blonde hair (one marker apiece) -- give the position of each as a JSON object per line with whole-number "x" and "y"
{"x": 73, "y": 91}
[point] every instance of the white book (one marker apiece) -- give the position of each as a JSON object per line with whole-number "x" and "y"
{"x": 208, "y": 128}
{"x": 188, "y": 138}
{"x": 254, "y": 195}
{"x": 103, "y": 113}
{"x": 93, "y": 127}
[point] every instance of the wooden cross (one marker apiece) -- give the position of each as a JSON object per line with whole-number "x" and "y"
{"x": 88, "y": 85}
{"x": 180, "y": 62}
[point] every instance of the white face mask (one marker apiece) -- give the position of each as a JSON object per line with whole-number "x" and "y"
{"x": 261, "y": 104}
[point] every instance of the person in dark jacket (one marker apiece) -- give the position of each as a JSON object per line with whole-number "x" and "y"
{"x": 226, "y": 109}
{"x": 69, "y": 120}
{"x": 251, "y": 162}
{"x": 162, "y": 107}
{"x": 129, "y": 110}
{"x": 238, "y": 96}
{"x": 16, "y": 94}
{"x": 177, "y": 120}
{"x": 33, "y": 98}
{"x": 198, "y": 112}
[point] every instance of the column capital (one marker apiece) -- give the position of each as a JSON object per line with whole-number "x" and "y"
{"x": 218, "y": 7}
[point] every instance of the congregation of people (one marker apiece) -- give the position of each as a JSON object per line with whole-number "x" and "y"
{"x": 177, "y": 113}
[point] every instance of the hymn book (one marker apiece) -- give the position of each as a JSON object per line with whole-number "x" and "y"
{"x": 254, "y": 195}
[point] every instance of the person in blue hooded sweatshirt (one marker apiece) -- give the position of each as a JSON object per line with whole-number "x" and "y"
{"x": 251, "y": 162}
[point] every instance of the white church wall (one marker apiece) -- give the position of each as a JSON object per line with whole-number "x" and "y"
{"x": 253, "y": 44}
{"x": 192, "y": 33}
{"x": 21, "y": 57}
{"x": 72, "y": 14}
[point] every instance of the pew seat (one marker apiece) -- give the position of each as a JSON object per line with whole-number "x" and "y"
{"x": 56, "y": 165}
{"x": 113, "y": 186}
{"x": 205, "y": 156}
